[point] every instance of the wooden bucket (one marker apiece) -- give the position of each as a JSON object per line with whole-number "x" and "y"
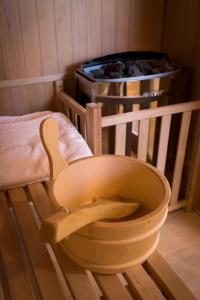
{"x": 112, "y": 247}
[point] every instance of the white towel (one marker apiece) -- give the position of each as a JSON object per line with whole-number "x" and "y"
{"x": 23, "y": 159}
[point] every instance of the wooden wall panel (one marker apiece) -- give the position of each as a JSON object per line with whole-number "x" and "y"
{"x": 181, "y": 40}
{"x": 122, "y": 25}
{"x": 32, "y": 53}
{"x": 48, "y": 44}
{"x": 146, "y": 24}
{"x": 79, "y": 30}
{"x": 13, "y": 51}
{"x": 49, "y": 36}
{"x": 108, "y": 26}
{"x": 63, "y": 34}
{"x": 94, "y": 28}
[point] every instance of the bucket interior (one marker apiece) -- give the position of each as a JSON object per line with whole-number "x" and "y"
{"x": 104, "y": 176}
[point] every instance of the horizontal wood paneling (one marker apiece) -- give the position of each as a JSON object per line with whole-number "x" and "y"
{"x": 52, "y": 36}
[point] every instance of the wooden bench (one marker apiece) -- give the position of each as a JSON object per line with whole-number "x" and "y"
{"x": 29, "y": 269}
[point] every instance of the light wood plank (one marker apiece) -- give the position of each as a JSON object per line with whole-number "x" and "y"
{"x": 163, "y": 142}
{"x": 32, "y": 53}
{"x": 29, "y": 28}
{"x": 48, "y": 46}
{"x": 94, "y": 132}
{"x": 42, "y": 265}
{"x": 184, "y": 37}
{"x": 122, "y": 25}
{"x": 120, "y": 139}
{"x": 79, "y": 30}
{"x": 150, "y": 113}
{"x": 14, "y": 52}
{"x": 46, "y": 23}
{"x": 108, "y": 26}
{"x": 18, "y": 280}
{"x": 112, "y": 287}
{"x": 30, "y": 80}
{"x": 72, "y": 273}
{"x": 147, "y": 15}
{"x": 11, "y": 34}
{"x": 63, "y": 34}
{"x": 94, "y": 28}
{"x": 142, "y": 285}
{"x": 180, "y": 155}
{"x": 143, "y": 139}
{"x": 171, "y": 284}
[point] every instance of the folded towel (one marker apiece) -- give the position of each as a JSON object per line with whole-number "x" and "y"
{"x": 23, "y": 159}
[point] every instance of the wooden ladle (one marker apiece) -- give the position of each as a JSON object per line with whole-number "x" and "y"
{"x": 64, "y": 222}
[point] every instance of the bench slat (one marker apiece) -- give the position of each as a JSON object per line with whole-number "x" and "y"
{"x": 16, "y": 275}
{"x": 42, "y": 265}
{"x": 171, "y": 284}
{"x": 142, "y": 285}
{"x": 75, "y": 276}
{"x": 112, "y": 287}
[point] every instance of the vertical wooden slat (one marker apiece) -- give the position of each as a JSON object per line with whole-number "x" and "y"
{"x": 120, "y": 139}
{"x": 108, "y": 26}
{"x": 63, "y": 34}
{"x": 143, "y": 139}
{"x": 182, "y": 142}
{"x": 83, "y": 127}
{"x": 93, "y": 127}
{"x": 58, "y": 87}
{"x": 163, "y": 142}
{"x": 30, "y": 37}
{"x": 32, "y": 53}
{"x": 147, "y": 15}
{"x": 122, "y": 25}
{"x": 94, "y": 28}
{"x": 14, "y": 52}
{"x": 79, "y": 30}
{"x": 46, "y": 23}
{"x": 18, "y": 281}
{"x": 11, "y": 33}
{"x": 48, "y": 46}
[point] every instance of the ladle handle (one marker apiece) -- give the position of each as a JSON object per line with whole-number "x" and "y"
{"x": 49, "y": 133}
{"x": 62, "y": 224}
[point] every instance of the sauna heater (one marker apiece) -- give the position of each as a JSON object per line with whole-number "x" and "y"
{"x": 127, "y": 81}
{"x": 136, "y": 74}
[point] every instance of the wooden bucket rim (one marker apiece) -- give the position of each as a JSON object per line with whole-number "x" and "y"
{"x": 162, "y": 206}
